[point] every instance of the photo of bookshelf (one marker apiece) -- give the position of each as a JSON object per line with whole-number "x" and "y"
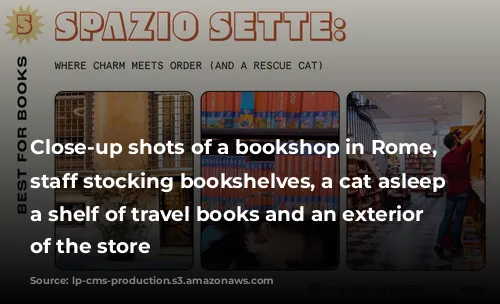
{"x": 393, "y": 165}
{"x": 418, "y": 117}
{"x": 364, "y": 198}
{"x": 419, "y": 166}
{"x": 262, "y": 118}
{"x": 396, "y": 197}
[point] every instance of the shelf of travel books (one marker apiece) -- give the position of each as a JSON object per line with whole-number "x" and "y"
{"x": 263, "y": 117}
{"x": 419, "y": 165}
{"x": 272, "y": 133}
{"x": 270, "y": 110}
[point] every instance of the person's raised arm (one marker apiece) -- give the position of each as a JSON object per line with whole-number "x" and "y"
{"x": 476, "y": 127}
{"x": 476, "y": 131}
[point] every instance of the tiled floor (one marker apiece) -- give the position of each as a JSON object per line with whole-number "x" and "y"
{"x": 399, "y": 246}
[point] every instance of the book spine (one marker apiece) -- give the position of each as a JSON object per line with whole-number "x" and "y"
{"x": 229, "y": 110}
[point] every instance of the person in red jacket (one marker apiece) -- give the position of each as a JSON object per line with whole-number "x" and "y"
{"x": 454, "y": 165}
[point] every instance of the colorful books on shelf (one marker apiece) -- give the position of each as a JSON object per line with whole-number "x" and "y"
{"x": 279, "y": 198}
{"x": 265, "y": 110}
{"x": 419, "y": 164}
{"x": 471, "y": 242}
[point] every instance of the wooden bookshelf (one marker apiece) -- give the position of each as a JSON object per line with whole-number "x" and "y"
{"x": 395, "y": 197}
{"x": 393, "y": 166}
{"x": 419, "y": 165}
{"x": 359, "y": 199}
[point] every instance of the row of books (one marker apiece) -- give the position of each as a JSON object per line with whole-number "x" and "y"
{"x": 420, "y": 161}
{"x": 418, "y": 156}
{"x": 267, "y": 110}
{"x": 471, "y": 241}
{"x": 313, "y": 166}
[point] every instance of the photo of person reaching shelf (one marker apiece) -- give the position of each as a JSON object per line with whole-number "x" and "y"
{"x": 453, "y": 217}
{"x": 455, "y": 168}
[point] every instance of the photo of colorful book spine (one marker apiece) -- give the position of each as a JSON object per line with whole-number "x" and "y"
{"x": 261, "y": 104}
{"x": 315, "y": 179}
{"x": 249, "y": 199}
{"x": 241, "y": 171}
{"x": 321, "y": 112}
{"x": 262, "y": 191}
{"x": 293, "y": 107}
{"x": 209, "y": 192}
{"x": 204, "y": 110}
{"x": 334, "y": 197}
{"x": 336, "y": 112}
{"x": 324, "y": 192}
{"x": 332, "y": 113}
{"x": 296, "y": 172}
{"x": 224, "y": 193}
{"x": 280, "y": 111}
{"x": 280, "y": 192}
{"x": 270, "y": 110}
{"x": 204, "y": 197}
{"x": 274, "y": 102}
{"x": 217, "y": 190}
{"x": 229, "y": 110}
{"x": 215, "y": 109}
{"x": 269, "y": 167}
{"x": 237, "y": 110}
{"x": 306, "y": 170}
{"x": 308, "y": 110}
{"x": 231, "y": 171}
{"x": 247, "y": 113}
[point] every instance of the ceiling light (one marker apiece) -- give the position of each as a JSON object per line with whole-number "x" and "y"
{"x": 436, "y": 106}
{"x": 433, "y": 98}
